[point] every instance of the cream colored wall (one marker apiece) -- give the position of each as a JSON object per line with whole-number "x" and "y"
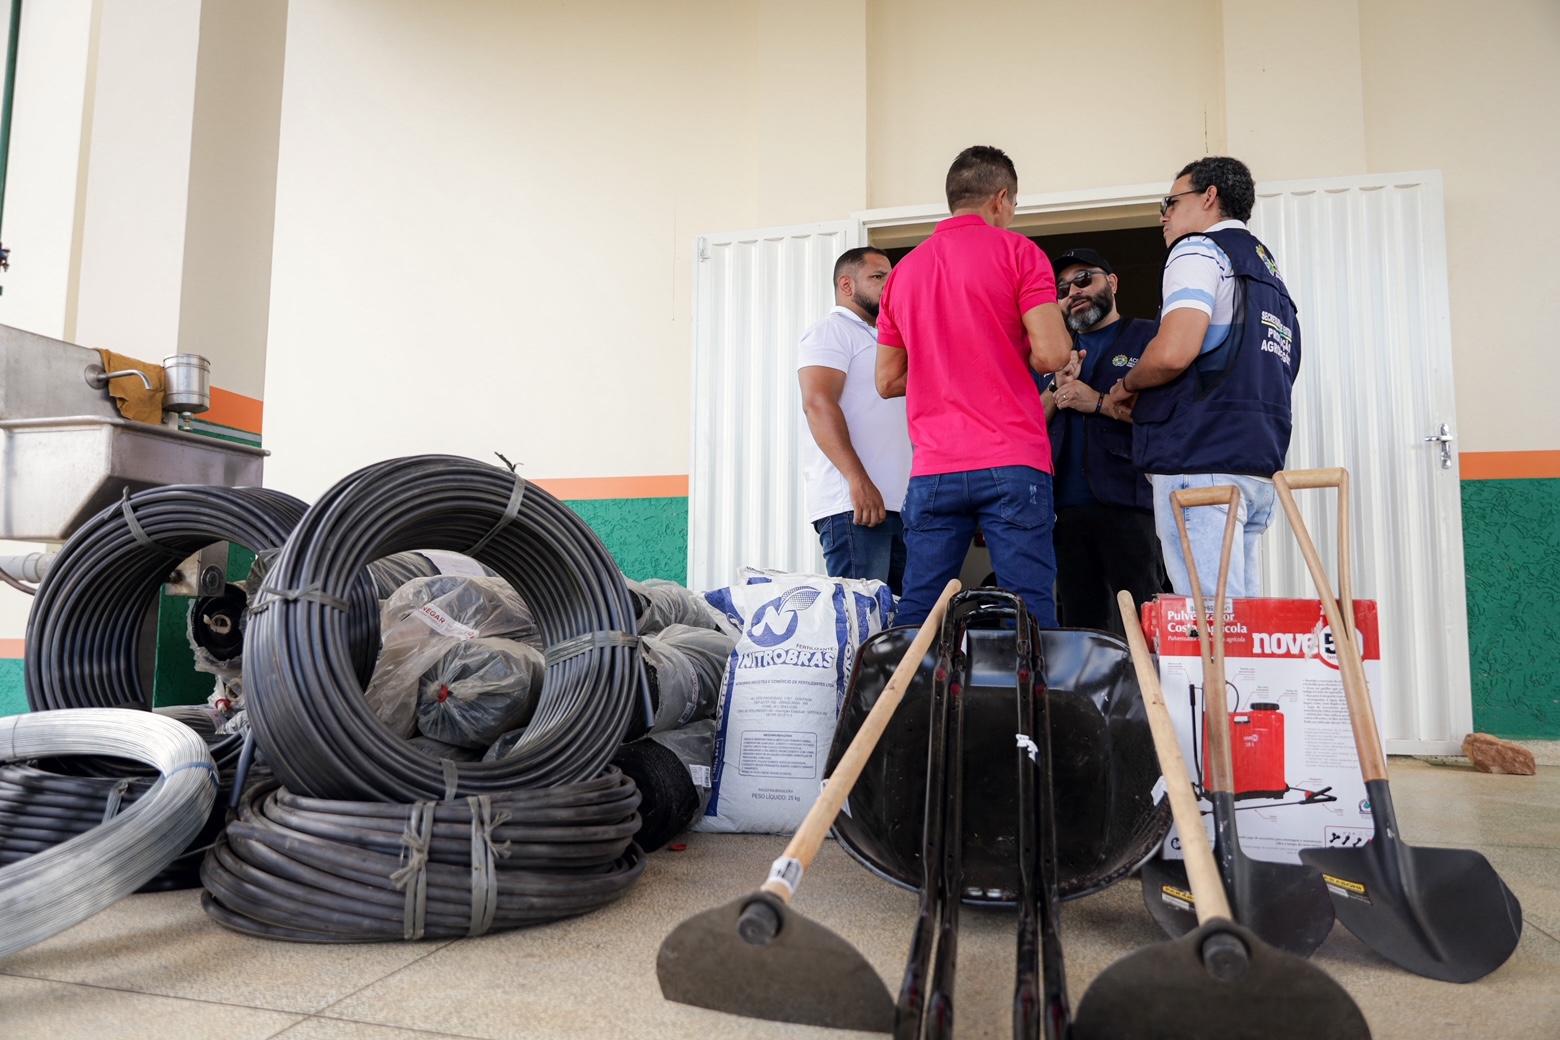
{"x": 486, "y": 210}
{"x": 1474, "y": 91}
{"x": 1079, "y": 97}
{"x": 46, "y": 173}
{"x": 138, "y": 168}
{"x": 1294, "y": 100}
{"x": 225, "y": 293}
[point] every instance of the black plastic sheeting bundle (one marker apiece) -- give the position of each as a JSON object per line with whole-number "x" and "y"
{"x": 84, "y": 632}
{"x": 309, "y": 870}
{"x": 305, "y": 698}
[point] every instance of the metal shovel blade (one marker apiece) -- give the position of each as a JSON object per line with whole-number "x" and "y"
{"x": 1167, "y": 992}
{"x": 1441, "y": 913}
{"x": 1285, "y": 904}
{"x": 805, "y": 974}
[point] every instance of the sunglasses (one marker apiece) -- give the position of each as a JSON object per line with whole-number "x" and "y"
{"x": 1081, "y": 280}
{"x": 1169, "y": 200}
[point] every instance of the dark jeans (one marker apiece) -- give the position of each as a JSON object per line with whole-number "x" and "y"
{"x": 1012, "y": 507}
{"x": 853, "y": 551}
{"x": 1099, "y": 551}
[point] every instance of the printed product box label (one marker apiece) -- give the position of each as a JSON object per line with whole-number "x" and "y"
{"x": 1297, "y": 778}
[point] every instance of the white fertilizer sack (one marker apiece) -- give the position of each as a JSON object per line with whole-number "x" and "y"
{"x": 784, "y": 684}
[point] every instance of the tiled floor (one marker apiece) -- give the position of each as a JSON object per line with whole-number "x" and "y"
{"x": 154, "y": 966}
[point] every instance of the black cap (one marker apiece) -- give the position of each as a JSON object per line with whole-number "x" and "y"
{"x": 1081, "y": 255}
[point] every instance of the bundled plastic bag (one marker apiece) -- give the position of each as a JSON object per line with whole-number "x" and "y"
{"x": 686, "y": 668}
{"x": 788, "y": 674}
{"x": 479, "y": 690}
{"x": 661, "y": 604}
{"x": 423, "y": 621}
{"x": 438, "y": 749}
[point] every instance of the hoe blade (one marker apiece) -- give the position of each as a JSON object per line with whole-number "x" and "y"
{"x": 805, "y": 974}
{"x": 1165, "y": 992}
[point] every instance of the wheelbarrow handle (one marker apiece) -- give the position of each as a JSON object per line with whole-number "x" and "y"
{"x": 1351, "y": 667}
{"x": 1221, "y": 767}
{"x": 1201, "y": 870}
{"x": 804, "y": 844}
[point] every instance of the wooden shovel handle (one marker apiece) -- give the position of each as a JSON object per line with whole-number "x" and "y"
{"x": 1220, "y": 763}
{"x": 809, "y": 836}
{"x": 1201, "y": 871}
{"x": 1351, "y": 667}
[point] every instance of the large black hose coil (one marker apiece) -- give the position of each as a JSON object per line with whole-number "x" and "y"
{"x": 311, "y": 870}
{"x": 84, "y": 632}
{"x": 306, "y": 702}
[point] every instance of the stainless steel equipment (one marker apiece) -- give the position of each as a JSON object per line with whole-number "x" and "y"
{"x": 65, "y": 451}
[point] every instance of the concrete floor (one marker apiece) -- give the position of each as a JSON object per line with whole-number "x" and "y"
{"x": 154, "y": 966}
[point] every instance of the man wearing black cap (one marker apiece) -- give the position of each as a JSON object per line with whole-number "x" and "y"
{"x": 1104, "y": 535}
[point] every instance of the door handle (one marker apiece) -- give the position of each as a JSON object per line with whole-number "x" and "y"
{"x": 1444, "y": 438}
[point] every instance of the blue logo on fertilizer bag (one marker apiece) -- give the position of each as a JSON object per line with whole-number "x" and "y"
{"x": 773, "y": 626}
{"x": 776, "y": 621}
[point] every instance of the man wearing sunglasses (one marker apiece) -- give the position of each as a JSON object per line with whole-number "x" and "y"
{"x": 1105, "y": 539}
{"x": 1213, "y": 388}
{"x": 964, "y": 318}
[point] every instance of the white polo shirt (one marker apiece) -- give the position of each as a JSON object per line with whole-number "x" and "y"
{"x": 878, "y": 430}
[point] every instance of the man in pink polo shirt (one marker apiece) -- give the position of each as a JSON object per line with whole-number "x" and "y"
{"x": 963, "y": 319}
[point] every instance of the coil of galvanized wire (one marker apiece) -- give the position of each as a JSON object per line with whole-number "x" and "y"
{"x": 306, "y": 706}
{"x": 311, "y": 870}
{"x": 42, "y": 806}
{"x": 48, "y": 892}
{"x": 84, "y": 633}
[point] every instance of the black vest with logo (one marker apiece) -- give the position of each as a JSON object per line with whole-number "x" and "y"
{"x": 1107, "y": 442}
{"x": 1230, "y": 411}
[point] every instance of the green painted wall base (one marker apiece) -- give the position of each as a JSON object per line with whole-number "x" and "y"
{"x": 1511, "y": 542}
{"x": 647, "y": 536}
{"x": 13, "y": 695}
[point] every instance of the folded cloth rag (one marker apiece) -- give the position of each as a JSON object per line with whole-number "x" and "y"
{"x": 134, "y": 399}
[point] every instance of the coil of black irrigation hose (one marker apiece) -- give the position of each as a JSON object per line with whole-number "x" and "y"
{"x": 307, "y": 706}
{"x": 84, "y": 633}
{"x": 312, "y": 870}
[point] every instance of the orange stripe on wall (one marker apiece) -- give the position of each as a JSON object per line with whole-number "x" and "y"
{"x": 235, "y": 410}
{"x": 616, "y": 487}
{"x": 1510, "y": 465}
{"x": 11, "y": 649}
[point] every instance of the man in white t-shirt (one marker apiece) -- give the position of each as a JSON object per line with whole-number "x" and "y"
{"x": 859, "y": 460}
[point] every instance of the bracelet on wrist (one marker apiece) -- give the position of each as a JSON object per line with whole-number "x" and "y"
{"x": 1099, "y": 404}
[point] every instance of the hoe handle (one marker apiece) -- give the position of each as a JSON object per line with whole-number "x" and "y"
{"x": 798, "y": 855}
{"x": 1362, "y": 717}
{"x": 1221, "y": 766}
{"x": 1201, "y": 871}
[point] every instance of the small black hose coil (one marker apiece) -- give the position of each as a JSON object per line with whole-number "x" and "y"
{"x": 306, "y": 702}
{"x": 310, "y": 870}
{"x": 84, "y": 632}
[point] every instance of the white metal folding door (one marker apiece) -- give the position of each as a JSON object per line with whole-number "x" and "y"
{"x": 1365, "y": 258}
{"x": 755, "y": 293}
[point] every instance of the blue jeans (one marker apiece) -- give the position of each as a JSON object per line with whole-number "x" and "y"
{"x": 853, "y": 551}
{"x": 1011, "y": 505}
{"x": 1205, "y": 530}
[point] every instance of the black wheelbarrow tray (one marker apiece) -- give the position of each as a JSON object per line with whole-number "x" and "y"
{"x": 1108, "y": 820}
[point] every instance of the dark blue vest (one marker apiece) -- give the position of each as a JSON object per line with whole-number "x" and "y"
{"x": 1107, "y": 442}
{"x": 1230, "y": 411}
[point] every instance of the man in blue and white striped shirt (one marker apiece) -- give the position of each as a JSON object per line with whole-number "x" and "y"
{"x": 1211, "y": 393}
